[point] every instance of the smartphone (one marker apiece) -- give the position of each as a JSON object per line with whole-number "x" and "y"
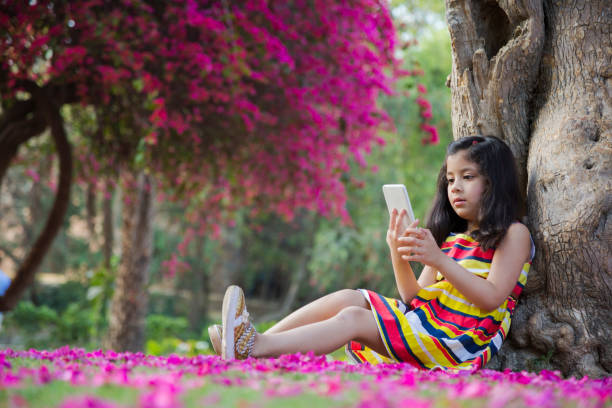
{"x": 396, "y": 196}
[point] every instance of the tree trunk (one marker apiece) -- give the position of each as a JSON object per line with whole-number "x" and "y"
{"x": 299, "y": 276}
{"x": 226, "y": 271}
{"x": 108, "y": 226}
{"x": 90, "y": 206}
{"x": 537, "y": 74}
{"x": 16, "y": 127}
{"x": 198, "y": 288}
{"x": 129, "y": 303}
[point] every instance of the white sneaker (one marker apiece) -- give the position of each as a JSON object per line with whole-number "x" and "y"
{"x": 238, "y": 333}
{"x": 215, "y": 333}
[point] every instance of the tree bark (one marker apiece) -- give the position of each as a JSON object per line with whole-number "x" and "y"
{"x": 90, "y": 206}
{"x": 496, "y": 50}
{"x": 129, "y": 303}
{"x": 198, "y": 287}
{"x": 537, "y": 74}
{"x": 108, "y": 230}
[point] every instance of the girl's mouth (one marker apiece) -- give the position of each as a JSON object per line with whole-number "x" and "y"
{"x": 458, "y": 201}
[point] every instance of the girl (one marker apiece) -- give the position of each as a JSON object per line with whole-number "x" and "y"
{"x": 476, "y": 257}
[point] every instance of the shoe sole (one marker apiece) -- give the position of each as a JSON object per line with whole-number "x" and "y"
{"x": 215, "y": 335}
{"x": 228, "y": 313}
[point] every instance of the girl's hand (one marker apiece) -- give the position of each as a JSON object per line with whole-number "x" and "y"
{"x": 394, "y": 232}
{"x": 418, "y": 244}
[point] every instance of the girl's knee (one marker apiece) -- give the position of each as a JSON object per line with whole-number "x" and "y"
{"x": 361, "y": 325}
{"x": 351, "y": 297}
{"x": 353, "y": 315}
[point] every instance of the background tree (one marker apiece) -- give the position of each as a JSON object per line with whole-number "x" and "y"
{"x": 219, "y": 104}
{"x": 537, "y": 73}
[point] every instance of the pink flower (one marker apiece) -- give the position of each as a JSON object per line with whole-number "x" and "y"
{"x": 110, "y": 75}
{"x": 411, "y": 402}
{"x": 426, "y": 114}
{"x": 501, "y": 395}
{"x": 422, "y": 102}
{"x": 87, "y": 402}
{"x": 159, "y": 115}
{"x": 44, "y": 376}
{"x": 33, "y": 174}
{"x": 540, "y": 398}
{"x": 162, "y": 396}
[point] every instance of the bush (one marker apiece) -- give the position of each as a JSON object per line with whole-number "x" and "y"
{"x": 59, "y": 297}
{"x": 173, "y": 345}
{"x": 40, "y": 326}
{"x": 75, "y": 325}
{"x": 30, "y": 317}
{"x": 162, "y": 326}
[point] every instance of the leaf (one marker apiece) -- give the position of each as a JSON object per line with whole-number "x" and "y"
{"x": 94, "y": 291}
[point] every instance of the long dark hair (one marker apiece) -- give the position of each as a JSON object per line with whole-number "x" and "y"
{"x": 501, "y": 200}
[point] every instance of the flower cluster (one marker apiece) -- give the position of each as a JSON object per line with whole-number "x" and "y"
{"x": 425, "y": 108}
{"x": 164, "y": 381}
{"x": 249, "y": 104}
{"x": 251, "y": 101}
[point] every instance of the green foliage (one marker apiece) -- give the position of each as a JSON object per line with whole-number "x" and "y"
{"x": 162, "y": 326}
{"x": 74, "y": 325}
{"x": 99, "y": 294}
{"x": 41, "y": 326}
{"x": 261, "y": 326}
{"x": 261, "y": 254}
{"x": 32, "y": 318}
{"x": 416, "y": 18}
{"x": 273, "y": 250}
{"x": 59, "y": 297}
{"x": 357, "y": 255}
{"x": 173, "y": 345}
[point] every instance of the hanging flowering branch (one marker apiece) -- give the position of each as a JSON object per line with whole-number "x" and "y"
{"x": 425, "y": 112}
{"x": 243, "y": 104}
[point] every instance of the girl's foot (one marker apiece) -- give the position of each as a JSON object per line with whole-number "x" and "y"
{"x": 215, "y": 333}
{"x": 238, "y": 334}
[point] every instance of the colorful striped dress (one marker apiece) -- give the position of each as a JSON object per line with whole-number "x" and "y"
{"x": 440, "y": 328}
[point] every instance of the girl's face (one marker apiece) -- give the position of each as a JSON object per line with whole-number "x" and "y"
{"x": 465, "y": 187}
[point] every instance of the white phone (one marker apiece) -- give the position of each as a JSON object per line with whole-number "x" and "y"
{"x": 396, "y": 196}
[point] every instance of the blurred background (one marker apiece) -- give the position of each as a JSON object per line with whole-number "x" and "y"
{"x": 281, "y": 264}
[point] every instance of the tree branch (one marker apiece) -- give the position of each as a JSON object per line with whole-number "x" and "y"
{"x": 10, "y": 254}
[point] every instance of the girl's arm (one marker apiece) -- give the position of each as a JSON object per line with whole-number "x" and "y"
{"x": 428, "y": 276}
{"x": 506, "y": 266}
{"x": 407, "y": 284}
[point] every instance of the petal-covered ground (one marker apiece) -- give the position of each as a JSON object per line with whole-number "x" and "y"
{"x": 71, "y": 378}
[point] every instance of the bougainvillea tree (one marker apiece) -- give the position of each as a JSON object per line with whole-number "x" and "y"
{"x": 224, "y": 105}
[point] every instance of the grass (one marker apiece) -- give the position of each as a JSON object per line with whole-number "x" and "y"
{"x": 73, "y": 378}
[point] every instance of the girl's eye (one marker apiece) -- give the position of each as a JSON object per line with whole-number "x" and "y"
{"x": 451, "y": 180}
{"x": 468, "y": 177}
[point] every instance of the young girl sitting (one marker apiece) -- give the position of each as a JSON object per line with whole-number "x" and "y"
{"x": 476, "y": 257}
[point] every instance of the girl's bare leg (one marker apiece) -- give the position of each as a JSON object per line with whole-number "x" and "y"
{"x": 321, "y": 309}
{"x": 351, "y": 323}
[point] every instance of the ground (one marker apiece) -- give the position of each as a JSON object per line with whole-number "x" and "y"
{"x": 72, "y": 378}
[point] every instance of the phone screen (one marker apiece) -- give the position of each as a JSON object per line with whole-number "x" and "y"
{"x": 396, "y": 196}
